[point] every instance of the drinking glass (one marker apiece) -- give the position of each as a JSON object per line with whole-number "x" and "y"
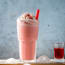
{"x": 59, "y": 51}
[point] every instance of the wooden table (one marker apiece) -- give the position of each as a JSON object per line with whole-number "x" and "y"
{"x": 36, "y": 64}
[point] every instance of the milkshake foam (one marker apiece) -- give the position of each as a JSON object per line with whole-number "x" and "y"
{"x": 29, "y": 18}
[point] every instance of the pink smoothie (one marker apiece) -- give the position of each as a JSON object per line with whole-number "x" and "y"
{"x": 27, "y": 36}
{"x": 27, "y": 50}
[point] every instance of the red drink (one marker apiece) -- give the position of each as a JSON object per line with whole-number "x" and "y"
{"x": 59, "y": 53}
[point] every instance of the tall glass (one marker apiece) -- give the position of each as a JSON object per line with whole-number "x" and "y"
{"x": 27, "y": 36}
{"x": 59, "y": 51}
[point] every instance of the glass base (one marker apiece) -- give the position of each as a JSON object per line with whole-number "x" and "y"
{"x": 28, "y": 61}
{"x": 59, "y": 60}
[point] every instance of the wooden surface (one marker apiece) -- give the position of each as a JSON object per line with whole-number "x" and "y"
{"x": 36, "y": 64}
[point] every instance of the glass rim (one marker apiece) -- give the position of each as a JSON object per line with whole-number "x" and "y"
{"x": 59, "y": 45}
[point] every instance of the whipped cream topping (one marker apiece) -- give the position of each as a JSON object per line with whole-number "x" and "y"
{"x": 28, "y": 17}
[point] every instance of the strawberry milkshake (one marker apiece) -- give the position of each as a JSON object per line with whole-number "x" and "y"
{"x": 27, "y": 29}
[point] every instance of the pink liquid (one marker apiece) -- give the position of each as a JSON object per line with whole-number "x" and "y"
{"x": 59, "y": 53}
{"x": 27, "y": 35}
{"x": 27, "y": 50}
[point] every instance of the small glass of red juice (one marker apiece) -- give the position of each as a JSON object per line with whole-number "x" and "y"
{"x": 59, "y": 51}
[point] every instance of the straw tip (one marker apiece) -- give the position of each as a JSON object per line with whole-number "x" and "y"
{"x": 38, "y": 9}
{"x": 37, "y": 13}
